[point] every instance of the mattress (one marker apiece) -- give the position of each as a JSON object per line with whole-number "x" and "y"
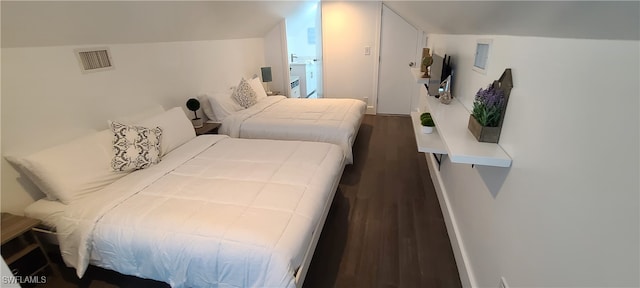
{"x": 215, "y": 212}
{"x": 323, "y": 120}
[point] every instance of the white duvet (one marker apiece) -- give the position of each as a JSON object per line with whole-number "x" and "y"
{"x": 216, "y": 211}
{"x": 324, "y": 120}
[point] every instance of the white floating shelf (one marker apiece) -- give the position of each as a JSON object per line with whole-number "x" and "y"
{"x": 418, "y": 76}
{"x": 451, "y": 123}
{"x": 427, "y": 143}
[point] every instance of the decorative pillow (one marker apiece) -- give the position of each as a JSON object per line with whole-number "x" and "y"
{"x": 176, "y": 128}
{"x": 68, "y": 171}
{"x": 135, "y": 147}
{"x": 223, "y": 105}
{"x": 257, "y": 87}
{"x": 244, "y": 94}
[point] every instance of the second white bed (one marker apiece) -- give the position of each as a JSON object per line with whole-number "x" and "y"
{"x": 323, "y": 120}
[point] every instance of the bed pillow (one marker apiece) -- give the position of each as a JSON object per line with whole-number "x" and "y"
{"x": 134, "y": 147}
{"x": 257, "y": 87}
{"x": 176, "y": 129}
{"x": 67, "y": 172}
{"x": 140, "y": 115}
{"x": 206, "y": 107}
{"x": 223, "y": 105}
{"x": 244, "y": 95}
{"x": 47, "y": 211}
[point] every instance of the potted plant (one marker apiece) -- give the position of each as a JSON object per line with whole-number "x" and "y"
{"x": 485, "y": 117}
{"x": 489, "y": 105}
{"x": 427, "y": 123}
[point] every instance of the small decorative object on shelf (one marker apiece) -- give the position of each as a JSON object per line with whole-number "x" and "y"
{"x": 489, "y": 106}
{"x": 193, "y": 104}
{"x": 445, "y": 97}
{"x": 444, "y": 91}
{"x": 427, "y": 123}
{"x": 427, "y": 60}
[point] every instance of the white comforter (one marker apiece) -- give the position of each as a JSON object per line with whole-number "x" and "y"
{"x": 216, "y": 211}
{"x": 323, "y": 120}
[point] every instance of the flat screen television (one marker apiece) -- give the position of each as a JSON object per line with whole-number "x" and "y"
{"x": 441, "y": 69}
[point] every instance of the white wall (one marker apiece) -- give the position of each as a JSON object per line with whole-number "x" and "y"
{"x": 61, "y": 23}
{"x": 275, "y": 52}
{"x": 347, "y": 27}
{"x": 4, "y": 269}
{"x": 566, "y": 214}
{"x": 46, "y": 100}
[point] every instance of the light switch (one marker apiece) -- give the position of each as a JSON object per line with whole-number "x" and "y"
{"x": 367, "y": 50}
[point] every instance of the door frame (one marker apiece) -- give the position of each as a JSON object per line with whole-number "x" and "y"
{"x": 285, "y": 58}
{"x": 372, "y": 104}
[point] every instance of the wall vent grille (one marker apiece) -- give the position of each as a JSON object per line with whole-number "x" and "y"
{"x": 94, "y": 59}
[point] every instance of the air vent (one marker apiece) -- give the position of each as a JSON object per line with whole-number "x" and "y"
{"x": 94, "y": 59}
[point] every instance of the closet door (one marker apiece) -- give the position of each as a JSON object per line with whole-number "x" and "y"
{"x": 398, "y": 46}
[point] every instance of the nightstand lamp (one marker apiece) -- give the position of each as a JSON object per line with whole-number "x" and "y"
{"x": 193, "y": 104}
{"x": 266, "y": 77}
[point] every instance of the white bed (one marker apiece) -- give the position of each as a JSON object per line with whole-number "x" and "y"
{"x": 276, "y": 117}
{"x": 215, "y": 211}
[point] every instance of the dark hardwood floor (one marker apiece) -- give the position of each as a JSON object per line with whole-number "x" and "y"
{"x": 385, "y": 227}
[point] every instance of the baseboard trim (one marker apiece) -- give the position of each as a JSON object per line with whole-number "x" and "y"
{"x": 370, "y": 110}
{"x": 459, "y": 252}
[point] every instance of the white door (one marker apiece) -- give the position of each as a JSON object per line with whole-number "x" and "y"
{"x": 398, "y": 48}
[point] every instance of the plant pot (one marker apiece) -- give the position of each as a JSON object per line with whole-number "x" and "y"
{"x": 197, "y": 123}
{"x": 482, "y": 133}
{"x": 427, "y": 129}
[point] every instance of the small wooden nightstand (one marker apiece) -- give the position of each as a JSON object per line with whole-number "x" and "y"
{"x": 21, "y": 249}
{"x": 208, "y": 128}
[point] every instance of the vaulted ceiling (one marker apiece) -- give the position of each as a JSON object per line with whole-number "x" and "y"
{"x": 51, "y": 23}
{"x": 563, "y": 19}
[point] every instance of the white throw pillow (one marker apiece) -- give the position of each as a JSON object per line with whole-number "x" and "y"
{"x": 176, "y": 128}
{"x": 135, "y": 147}
{"x": 244, "y": 94}
{"x": 257, "y": 87}
{"x": 67, "y": 172}
{"x": 223, "y": 105}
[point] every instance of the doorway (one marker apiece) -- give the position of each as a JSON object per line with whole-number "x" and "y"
{"x": 304, "y": 45}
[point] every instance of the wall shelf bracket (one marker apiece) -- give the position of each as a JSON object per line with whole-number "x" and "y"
{"x": 439, "y": 161}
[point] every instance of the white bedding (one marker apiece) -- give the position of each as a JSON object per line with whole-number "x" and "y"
{"x": 47, "y": 211}
{"x": 216, "y": 211}
{"x": 324, "y": 120}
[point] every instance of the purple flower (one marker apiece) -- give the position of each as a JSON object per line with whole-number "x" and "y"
{"x": 490, "y": 97}
{"x": 487, "y": 106}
